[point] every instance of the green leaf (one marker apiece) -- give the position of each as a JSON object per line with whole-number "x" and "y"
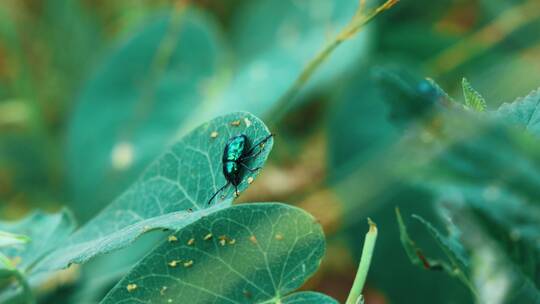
{"x": 473, "y": 99}
{"x": 152, "y": 99}
{"x": 413, "y": 252}
{"x": 457, "y": 263}
{"x": 350, "y": 117}
{"x": 254, "y": 253}
{"x": 308, "y": 297}
{"x": 294, "y": 32}
{"x": 490, "y": 177}
{"x": 149, "y": 84}
{"x": 410, "y": 97}
{"x": 449, "y": 244}
{"x": 523, "y": 112}
{"x": 45, "y": 232}
{"x": 172, "y": 193}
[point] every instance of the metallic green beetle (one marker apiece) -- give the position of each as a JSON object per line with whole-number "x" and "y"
{"x": 236, "y": 152}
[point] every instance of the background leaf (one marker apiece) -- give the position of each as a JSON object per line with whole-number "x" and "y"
{"x": 8, "y": 239}
{"x": 149, "y": 84}
{"x": 45, "y": 231}
{"x": 522, "y": 112}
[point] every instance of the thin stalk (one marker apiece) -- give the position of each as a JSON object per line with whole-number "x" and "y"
{"x": 485, "y": 38}
{"x": 357, "y": 23}
{"x": 26, "y": 289}
{"x": 355, "y": 295}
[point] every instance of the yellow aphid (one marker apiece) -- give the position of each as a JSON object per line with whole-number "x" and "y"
{"x": 131, "y": 287}
{"x": 253, "y": 239}
{"x": 173, "y": 263}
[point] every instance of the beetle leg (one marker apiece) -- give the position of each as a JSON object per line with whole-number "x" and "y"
{"x": 219, "y": 190}
{"x": 251, "y": 156}
{"x": 250, "y": 169}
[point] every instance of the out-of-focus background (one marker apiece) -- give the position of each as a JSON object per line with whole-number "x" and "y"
{"x": 92, "y": 91}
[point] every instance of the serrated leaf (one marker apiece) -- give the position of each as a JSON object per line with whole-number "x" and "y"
{"x": 457, "y": 263}
{"x": 451, "y": 247}
{"x": 413, "y": 252}
{"x": 493, "y": 174}
{"x": 172, "y": 193}
{"x": 431, "y": 87}
{"x": 523, "y": 112}
{"x": 256, "y": 253}
{"x": 473, "y": 99}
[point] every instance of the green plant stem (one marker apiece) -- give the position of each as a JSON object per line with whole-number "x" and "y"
{"x": 6, "y": 263}
{"x": 26, "y": 289}
{"x": 355, "y": 295}
{"x": 353, "y": 27}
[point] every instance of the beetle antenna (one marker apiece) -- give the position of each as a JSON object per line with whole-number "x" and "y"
{"x": 216, "y": 193}
{"x": 264, "y": 140}
{"x": 261, "y": 142}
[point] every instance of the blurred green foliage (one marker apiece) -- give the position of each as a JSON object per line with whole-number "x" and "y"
{"x": 91, "y": 92}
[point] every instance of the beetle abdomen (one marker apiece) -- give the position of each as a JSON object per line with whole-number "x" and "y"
{"x": 231, "y": 172}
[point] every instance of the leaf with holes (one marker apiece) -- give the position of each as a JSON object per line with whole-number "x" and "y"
{"x": 172, "y": 193}
{"x": 256, "y": 253}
